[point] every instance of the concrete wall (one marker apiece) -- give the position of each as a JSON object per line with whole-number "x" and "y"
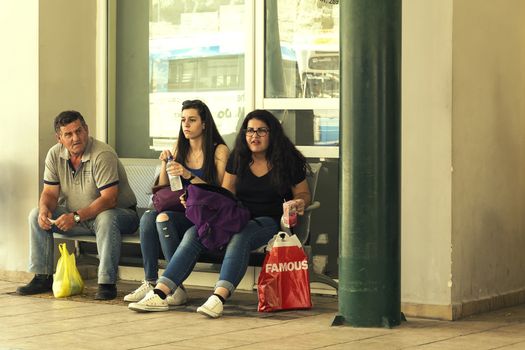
{"x": 67, "y": 64}
{"x": 426, "y": 155}
{"x": 488, "y": 237}
{"x": 19, "y": 154}
{"x": 463, "y": 186}
{"x": 48, "y": 65}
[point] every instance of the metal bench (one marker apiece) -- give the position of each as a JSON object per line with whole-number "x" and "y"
{"x": 141, "y": 174}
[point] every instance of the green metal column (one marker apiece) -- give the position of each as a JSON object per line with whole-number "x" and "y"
{"x": 370, "y": 139}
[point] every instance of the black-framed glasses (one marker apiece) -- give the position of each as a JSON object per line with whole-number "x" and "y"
{"x": 261, "y": 132}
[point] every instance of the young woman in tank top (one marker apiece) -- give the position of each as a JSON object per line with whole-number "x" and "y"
{"x": 200, "y": 156}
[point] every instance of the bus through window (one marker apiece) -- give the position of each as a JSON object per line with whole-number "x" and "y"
{"x": 321, "y": 76}
{"x": 206, "y": 73}
{"x": 308, "y": 30}
{"x": 196, "y": 51}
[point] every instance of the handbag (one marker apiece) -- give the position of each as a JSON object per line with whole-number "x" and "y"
{"x": 284, "y": 282}
{"x": 67, "y": 280}
{"x": 216, "y": 213}
{"x": 164, "y": 199}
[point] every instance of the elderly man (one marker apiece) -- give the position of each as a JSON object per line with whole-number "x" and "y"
{"x": 86, "y": 191}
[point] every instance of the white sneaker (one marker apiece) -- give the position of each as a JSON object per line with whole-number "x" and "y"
{"x": 151, "y": 302}
{"x": 178, "y": 297}
{"x": 212, "y": 307}
{"x": 139, "y": 293}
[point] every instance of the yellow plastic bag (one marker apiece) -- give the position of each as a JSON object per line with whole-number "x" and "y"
{"x": 67, "y": 280}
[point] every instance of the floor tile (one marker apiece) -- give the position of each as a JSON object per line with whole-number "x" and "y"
{"x": 43, "y": 322}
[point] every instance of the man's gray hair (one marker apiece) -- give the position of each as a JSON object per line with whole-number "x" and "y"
{"x": 67, "y": 117}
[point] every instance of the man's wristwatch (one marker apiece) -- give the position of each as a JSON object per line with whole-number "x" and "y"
{"x": 76, "y": 217}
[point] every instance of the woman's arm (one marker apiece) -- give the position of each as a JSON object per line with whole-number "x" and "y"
{"x": 301, "y": 196}
{"x": 229, "y": 182}
{"x": 221, "y": 158}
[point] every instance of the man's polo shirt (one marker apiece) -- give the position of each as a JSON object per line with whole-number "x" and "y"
{"x": 100, "y": 169}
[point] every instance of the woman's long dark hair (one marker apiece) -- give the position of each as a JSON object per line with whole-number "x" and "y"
{"x": 284, "y": 159}
{"x": 211, "y": 139}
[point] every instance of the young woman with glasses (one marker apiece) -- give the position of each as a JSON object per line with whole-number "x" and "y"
{"x": 200, "y": 156}
{"x": 264, "y": 170}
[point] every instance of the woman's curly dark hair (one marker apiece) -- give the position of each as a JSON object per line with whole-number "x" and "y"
{"x": 285, "y": 160}
{"x": 211, "y": 138}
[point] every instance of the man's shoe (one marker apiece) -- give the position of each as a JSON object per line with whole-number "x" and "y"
{"x": 106, "y": 292}
{"x": 139, "y": 293}
{"x": 212, "y": 307}
{"x": 151, "y": 302}
{"x": 39, "y": 284}
{"x": 179, "y": 297}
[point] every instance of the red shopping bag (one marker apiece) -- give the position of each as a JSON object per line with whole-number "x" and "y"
{"x": 284, "y": 282}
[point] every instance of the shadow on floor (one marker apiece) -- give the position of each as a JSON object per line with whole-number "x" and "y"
{"x": 242, "y": 303}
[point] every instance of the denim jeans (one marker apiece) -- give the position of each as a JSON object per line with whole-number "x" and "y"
{"x": 106, "y": 226}
{"x": 155, "y": 236}
{"x": 256, "y": 234}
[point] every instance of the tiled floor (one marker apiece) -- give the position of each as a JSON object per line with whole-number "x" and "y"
{"x": 80, "y": 323}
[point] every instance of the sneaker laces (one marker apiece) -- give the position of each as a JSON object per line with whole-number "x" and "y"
{"x": 144, "y": 286}
{"x": 212, "y": 302}
{"x": 150, "y": 296}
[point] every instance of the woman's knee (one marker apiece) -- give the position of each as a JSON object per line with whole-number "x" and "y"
{"x": 190, "y": 237}
{"x": 239, "y": 241}
{"x": 148, "y": 217}
{"x": 147, "y": 223}
{"x": 162, "y": 217}
{"x": 254, "y": 235}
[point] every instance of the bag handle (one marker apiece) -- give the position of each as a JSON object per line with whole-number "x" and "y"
{"x": 283, "y": 239}
{"x": 63, "y": 249}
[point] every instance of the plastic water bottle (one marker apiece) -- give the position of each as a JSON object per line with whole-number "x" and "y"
{"x": 175, "y": 181}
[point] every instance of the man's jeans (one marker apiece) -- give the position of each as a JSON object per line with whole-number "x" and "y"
{"x": 167, "y": 234}
{"x": 107, "y": 227}
{"x": 256, "y": 234}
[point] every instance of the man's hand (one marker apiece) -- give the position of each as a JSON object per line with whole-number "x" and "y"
{"x": 47, "y": 204}
{"x": 65, "y": 222}
{"x": 43, "y": 219}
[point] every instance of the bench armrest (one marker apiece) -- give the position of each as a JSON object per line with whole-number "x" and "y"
{"x": 312, "y": 206}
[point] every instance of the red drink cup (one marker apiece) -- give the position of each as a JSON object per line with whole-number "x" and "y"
{"x": 289, "y": 214}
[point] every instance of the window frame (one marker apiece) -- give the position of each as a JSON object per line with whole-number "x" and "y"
{"x": 254, "y": 76}
{"x": 286, "y": 103}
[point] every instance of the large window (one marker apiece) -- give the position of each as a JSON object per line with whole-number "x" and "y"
{"x": 302, "y": 49}
{"x": 189, "y": 49}
{"x": 196, "y": 50}
{"x": 301, "y": 72}
{"x": 168, "y": 51}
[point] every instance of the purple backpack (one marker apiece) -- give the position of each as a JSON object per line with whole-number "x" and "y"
{"x": 216, "y": 213}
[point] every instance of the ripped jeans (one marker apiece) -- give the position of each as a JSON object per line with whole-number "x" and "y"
{"x": 156, "y": 236}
